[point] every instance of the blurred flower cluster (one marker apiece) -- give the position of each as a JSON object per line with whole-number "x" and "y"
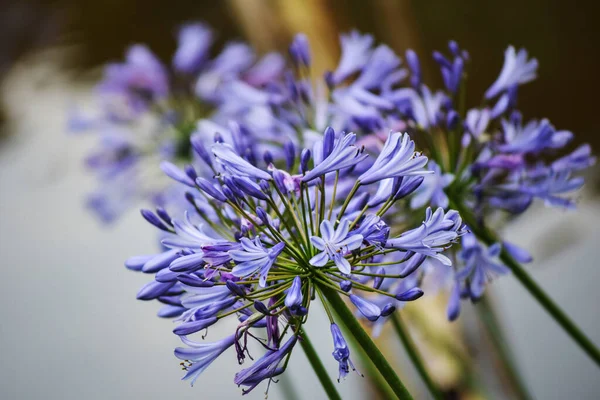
{"x": 284, "y": 189}
{"x": 147, "y": 112}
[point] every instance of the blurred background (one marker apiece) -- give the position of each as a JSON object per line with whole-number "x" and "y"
{"x": 70, "y": 326}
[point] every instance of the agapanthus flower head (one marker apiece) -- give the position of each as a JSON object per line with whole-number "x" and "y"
{"x": 515, "y": 170}
{"x": 260, "y": 252}
{"x": 148, "y": 111}
{"x": 491, "y": 159}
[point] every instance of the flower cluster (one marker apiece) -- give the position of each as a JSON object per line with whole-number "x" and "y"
{"x": 147, "y": 112}
{"x": 282, "y": 210}
{"x": 264, "y": 242}
{"x": 486, "y": 159}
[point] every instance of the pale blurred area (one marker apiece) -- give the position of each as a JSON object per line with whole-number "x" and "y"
{"x": 70, "y": 327}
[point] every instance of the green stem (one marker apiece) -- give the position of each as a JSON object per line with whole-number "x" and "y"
{"x": 346, "y": 202}
{"x": 414, "y": 356}
{"x": 363, "y": 339}
{"x": 488, "y": 237}
{"x": 488, "y": 315}
{"x": 318, "y": 366}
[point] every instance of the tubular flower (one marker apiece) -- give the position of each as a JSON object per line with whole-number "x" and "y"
{"x": 341, "y": 352}
{"x": 516, "y": 70}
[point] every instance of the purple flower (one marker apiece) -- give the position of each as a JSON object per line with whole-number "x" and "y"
{"x": 153, "y": 219}
{"x": 411, "y": 294}
{"x": 199, "y": 297}
{"x": 346, "y": 286}
{"x": 480, "y": 266}
{"x": 236, "y": 165}
{"x": 334, "y": 245}
{"x": 519, "y": 254}
{"x": 153, "y": 290}
{"x": 140, "y": 79}
{"x": 516, "y": 70}
{"x": 437, "y": 232}
{"x": 397, "y": 158}
{"x": 371, "y": 311}
{"x": 267, "y": 70}
{"x": 415, "y": 68}
{"x": 213, "y": 308}
{"x": 160, "y": 261}
{"x": 343, "y": 155}
{"x": 210, "y": 189}
{"x": 408, "y": 185}
{"x": 300, "y": 50}
{"x": 581, "y": 158}
{"x": 285, "y": 182}
{"x": 175, "y": 173}
{"x": 534, "y": 137}
{"x": 356, "y": 50}
{"x": 550, "y": 185}
{"x": 451, "y": 70}
{"x": 249, "y": 187}
{"x": 187, "y": 328}
{"x": 293, "y": 299}
{"x": 540, "y": 182}
{"x": 373, "y": 230}
{"x": 194, "y": 41}
{"x": 360, "y": 105}
{"x": 187, "y": 263}
{"x": 426, "y": 107}
{"x": 503, "y": 103}
{"x": 255, "y": 256}
{"x": 200, "y": 355}
{"x": 266, "y": 367}
{"x": 341, "y": 352}
{"x": 453, "y": 307}
{"x": 189, "y": 236}
{"x": 381, "y": 64}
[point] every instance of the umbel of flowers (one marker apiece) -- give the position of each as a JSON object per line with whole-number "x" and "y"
{"x": 264, "y": 243}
